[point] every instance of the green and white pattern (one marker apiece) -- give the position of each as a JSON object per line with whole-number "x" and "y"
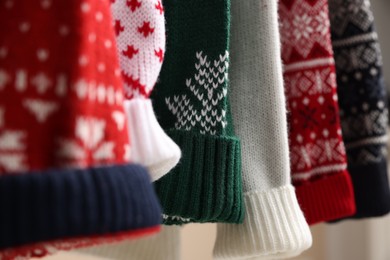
{"x": 205, "y": 108}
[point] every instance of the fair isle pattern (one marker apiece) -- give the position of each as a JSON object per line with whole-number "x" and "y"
{"x": 89, "y": 143}
{"x": 363, "y": 100}
{"x": 316, "y": 145}
{"x": 69, "y": 95}
{"x": 140, "y": 34}
{"x": 350, "y": 12}
{"x": 208, "y": 87}
{"x": 304, "y": 24}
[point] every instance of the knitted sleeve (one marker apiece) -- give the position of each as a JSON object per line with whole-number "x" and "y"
{"x": 363, "y": 103}
{"x": 318, "y": 159}
{"x": 140, "y": 34}
{"x": 65, "y": 176}
{"x": 192, "y": 104}
{"x": 274, "y": 224}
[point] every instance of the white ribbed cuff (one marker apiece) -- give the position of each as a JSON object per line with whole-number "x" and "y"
{"x": 162, "y": 246}
{"x": 274, "y": 227}
{"x": 150, "y": 145}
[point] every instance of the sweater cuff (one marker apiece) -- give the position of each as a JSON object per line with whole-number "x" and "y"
{"x": 206, "y": 185}
{"x": 150, "y": 145}
{"x": 328, "y": 198}
{"x": 371, "y": 187}
{"x": 69, "y": 203}
{"x": 274, "y": 226}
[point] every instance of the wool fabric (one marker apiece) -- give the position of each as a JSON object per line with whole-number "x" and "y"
{"x": 191, "y": 101}
{"x": 64, "y": 161}
{"x": 274, "y": 225}
{"x": 363, "y": 103}
{"x": 317, "y": 152}
{"x": 140, "y": 34}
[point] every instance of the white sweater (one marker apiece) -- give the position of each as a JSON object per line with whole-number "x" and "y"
{"x": 274, "y": 225}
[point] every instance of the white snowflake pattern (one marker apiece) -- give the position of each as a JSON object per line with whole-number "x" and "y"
{"x": 313, "y": 82}
{"x": 209, "y": 88}
{"x": 304, "y": 25}
{"x": 89, "y": 142}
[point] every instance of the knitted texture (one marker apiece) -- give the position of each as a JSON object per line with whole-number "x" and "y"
{"x": 140, "y": 31}
{"x": 274, "y": 224}
{"x": 162, "y": 246}
{"x": 63, "y": 127}
{"x": 317, "y": 151}
{"x": 363, "y": 103}
{"x": 191, "y": 103}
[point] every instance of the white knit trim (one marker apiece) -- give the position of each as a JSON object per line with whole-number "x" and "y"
{"x": 162, "y": 246}
{"x": 274, "y": 226}
{"x": 150, "y": 145}
{"x": 319, "y": 170}
{"x": 372, "y": 36}
{"x": 308, "y": 64}
{"x": 368, "y": 141}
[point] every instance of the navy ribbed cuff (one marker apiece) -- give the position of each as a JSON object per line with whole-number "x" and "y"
{"x": 53, "y": 204}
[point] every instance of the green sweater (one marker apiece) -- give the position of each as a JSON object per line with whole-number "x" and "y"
{"x": 191, "y": 103}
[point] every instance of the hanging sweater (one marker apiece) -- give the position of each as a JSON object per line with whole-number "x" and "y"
{"x": 274, "y": 225}
{"x": 363, "y": 103}
{"x": 317, "y": 153}
{"x": 64, "y": 166}
{"x": 140, "y": 34}
{"x": 191, "y": 102}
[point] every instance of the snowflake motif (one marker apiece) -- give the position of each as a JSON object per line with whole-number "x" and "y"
{"x": 328, "y": 151}
{"x": 372, "y": 123}
{"x": 313, "y": 82}
{"x": 345, "y": 12}
{"x": 89, "y": 144}
{"x": 322, "y": 152}
{"x": 208, "y": 88}
{"x": 322, "y": 23}
{"x": 359, "y": 57}
{"x": 302, "y": 26}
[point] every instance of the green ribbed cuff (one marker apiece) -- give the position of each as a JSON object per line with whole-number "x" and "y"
{"x": 206, "y": 185}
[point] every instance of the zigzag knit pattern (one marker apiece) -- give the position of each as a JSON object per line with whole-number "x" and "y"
{"x": 363, "y": 102}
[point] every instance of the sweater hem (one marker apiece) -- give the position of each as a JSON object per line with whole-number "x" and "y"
{"x": 206, "y": 184}
{"x": 371, "y": 186}
{"x": 328, "y": 198}
{"x": 62, "y": 203}
{"x": 274, "y": 226}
